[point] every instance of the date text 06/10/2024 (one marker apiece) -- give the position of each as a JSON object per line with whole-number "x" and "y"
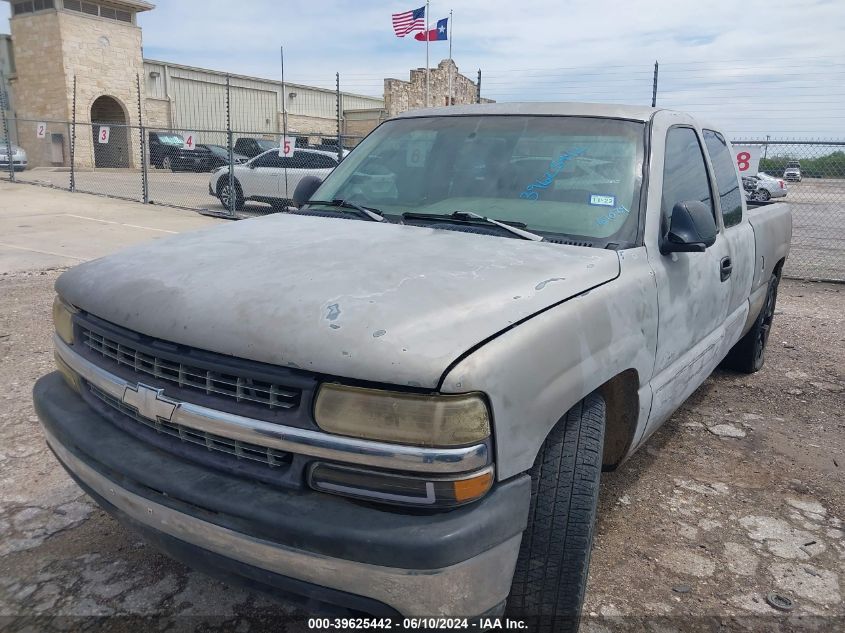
{"x": 431, "y": 624}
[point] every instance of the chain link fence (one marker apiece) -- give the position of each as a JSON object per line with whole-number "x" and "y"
{"x": 232, "y": 161}
{"x": 810, "y": 176}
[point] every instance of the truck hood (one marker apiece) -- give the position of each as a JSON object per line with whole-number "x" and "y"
{"x": 366, "y": 300}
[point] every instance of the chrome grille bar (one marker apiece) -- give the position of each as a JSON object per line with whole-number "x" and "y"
{"x": 263, "y": 454}
{"x": 239, "y": 388}
{"x": 290, "y": 439}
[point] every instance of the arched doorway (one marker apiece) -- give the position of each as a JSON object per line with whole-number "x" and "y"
{"x": 107, "y": 111}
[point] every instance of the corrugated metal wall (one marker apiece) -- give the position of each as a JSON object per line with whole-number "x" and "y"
{"x": 199, "y": 99}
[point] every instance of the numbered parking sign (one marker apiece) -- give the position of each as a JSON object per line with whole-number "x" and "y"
{"x": 747, "y": 159}
{"x": 287, "y": 147}
{"x": 103, "y": 134}
{"x": 190, "y": 141}
{"x": 41, "y": 130}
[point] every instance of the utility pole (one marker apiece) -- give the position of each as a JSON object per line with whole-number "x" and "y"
{"x": 766, "y": 147}
{"x": 654, "y": 87}
{"x": 478, "y": 92}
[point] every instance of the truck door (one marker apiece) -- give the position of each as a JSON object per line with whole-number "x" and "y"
{"x": 693, "y": 289}
{"x": 737, "y": 230}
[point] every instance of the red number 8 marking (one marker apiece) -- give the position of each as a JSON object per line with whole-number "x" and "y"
{"x": 742, "y": 161}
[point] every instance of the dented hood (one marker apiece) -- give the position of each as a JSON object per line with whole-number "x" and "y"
{"x": 373, "y": 301}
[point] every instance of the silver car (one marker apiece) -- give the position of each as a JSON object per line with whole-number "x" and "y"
{"x": 18, "y": 156}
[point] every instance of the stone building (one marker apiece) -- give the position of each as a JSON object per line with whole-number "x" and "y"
{"x": 400, "y": 95}
{"x": 98, "y": 43}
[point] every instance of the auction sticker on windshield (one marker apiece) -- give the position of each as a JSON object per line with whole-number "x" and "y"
{"x": 602, "y": 200}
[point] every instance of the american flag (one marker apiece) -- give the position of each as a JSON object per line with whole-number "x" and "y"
{"x": 408, "y": 22}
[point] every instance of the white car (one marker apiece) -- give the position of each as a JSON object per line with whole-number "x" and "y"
{"x": 269, "y": 177}
{"x": 18, "y": 156}
{"x": 763, "y": 187}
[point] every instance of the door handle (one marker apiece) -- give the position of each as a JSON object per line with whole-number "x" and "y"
{"x": 725, "y": 268}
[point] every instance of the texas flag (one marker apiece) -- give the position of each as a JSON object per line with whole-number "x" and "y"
{"x": 439, "y": 33}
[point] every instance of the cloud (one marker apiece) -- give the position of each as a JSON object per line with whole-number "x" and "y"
{"x": 759, "y": 66}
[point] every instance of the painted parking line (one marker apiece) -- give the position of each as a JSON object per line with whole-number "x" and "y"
{"x": 133, "y": 226}
{"x": 35, "y": 250}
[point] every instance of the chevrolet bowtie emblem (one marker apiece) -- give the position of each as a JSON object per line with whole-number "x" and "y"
{"x": 149, "y": 402}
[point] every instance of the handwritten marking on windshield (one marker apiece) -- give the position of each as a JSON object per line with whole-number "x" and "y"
{"x": 618, "y": 212}
{"x": 555, "y": 167}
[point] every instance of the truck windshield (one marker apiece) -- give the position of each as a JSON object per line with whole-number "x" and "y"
{"x": 576, "y": 176}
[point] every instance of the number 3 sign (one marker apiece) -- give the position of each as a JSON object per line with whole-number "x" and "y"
{"x": 288, "y": 146}
{"x": 747, "y": 159}
{"x": 103, "y": 135}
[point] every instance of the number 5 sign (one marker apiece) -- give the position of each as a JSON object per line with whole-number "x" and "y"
{"x": 41, "y": 130}
{"x": 287, "y": 146}
{"x": 747, "y": 159}
{"x": 103, "y": 135}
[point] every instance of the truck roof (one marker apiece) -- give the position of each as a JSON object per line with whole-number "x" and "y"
{"x": 610, "y": 110}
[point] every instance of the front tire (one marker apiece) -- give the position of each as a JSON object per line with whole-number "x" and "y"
{"x": 763, "y": 195}
{"x": 167, "y": 163}
{"x": 749, "y": 353}
{"x": 224, "y": 193}
{"x": 554, "y": 557}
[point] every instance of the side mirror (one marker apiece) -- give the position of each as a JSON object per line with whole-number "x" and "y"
{"x": 691, "y": 229}
{"x": 305, "y": 189}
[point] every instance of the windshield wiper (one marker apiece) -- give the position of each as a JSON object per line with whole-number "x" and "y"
{"x": 469, "y": 215}
{"x": 371, "y": 214}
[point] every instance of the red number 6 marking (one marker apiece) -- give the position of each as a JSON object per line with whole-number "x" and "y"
{"x": 742, "y": 161}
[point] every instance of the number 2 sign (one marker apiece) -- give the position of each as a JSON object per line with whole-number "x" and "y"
{"x": 103, "y": 134}
{"x": 190, "y": 143}
{"x": 747, "y": 159}
{"x": 41, "y": 130}
{"x": 287, "y": 146}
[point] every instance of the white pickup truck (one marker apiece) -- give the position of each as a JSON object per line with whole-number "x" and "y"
{"x": 400, "y": 398}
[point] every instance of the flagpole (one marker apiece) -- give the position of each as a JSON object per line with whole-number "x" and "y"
{"x": 427, "y": 76}
{"x": 449, "y": 35}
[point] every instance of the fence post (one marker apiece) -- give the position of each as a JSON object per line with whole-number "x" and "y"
{"x": 4, "y": 103}
{"x": 339, "y": 115}
{"x": 145, "y": 185}
{"x": 478, "y": 92}
{"x": 654, "y": 87}
{"x": 232, "y": 192}
{"x": 73, "y": 139}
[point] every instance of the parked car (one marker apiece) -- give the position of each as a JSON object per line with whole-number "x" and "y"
{"x": 252, "y": 147}
{"x": 400, "y": 398}
{"x": 792, "y": 174}
{"x": 165, "y": 149}
{"x": 269, "y": 177}
{"x": 762, "y": 187}
{"x": 18, "y": 156}
{"x": 220, "y": 156}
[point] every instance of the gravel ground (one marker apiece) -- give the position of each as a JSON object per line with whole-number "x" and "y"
{"x": 740, "y": 494}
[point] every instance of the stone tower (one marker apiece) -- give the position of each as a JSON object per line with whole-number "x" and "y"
{"x": 99, "y": 43}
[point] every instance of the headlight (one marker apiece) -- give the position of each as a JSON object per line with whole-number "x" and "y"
{"x": 63, "y": 319}
{"x": 390, "y": 416}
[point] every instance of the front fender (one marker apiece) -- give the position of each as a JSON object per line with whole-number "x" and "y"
{"x": 535, "y": 372}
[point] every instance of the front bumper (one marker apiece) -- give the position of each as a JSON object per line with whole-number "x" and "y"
{"x": 329, "y": 549}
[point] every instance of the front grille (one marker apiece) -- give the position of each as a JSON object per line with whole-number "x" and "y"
{"x": 193, "y": 377}
{"x": 242, "y": 450}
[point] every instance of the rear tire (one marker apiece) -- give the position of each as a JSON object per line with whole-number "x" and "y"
{"x": 749, "y": 353}
{"x": 763, "y": 195}
{"x": 554, "y": 557}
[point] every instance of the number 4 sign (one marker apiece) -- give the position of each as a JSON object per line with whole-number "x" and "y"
{"x": 103, "y": 135}
{"x": 288, "y": 146}
{"x": 41, "y": 130}
{"x": 190, "y": 143}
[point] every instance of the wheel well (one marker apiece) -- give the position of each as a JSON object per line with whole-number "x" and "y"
{"x": 623, "y": 406}
{"x": 221, "y": 182}
{"x": 779, "y": 267}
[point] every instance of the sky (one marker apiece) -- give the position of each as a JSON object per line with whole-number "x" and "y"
{"x": 756, "y": 67}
